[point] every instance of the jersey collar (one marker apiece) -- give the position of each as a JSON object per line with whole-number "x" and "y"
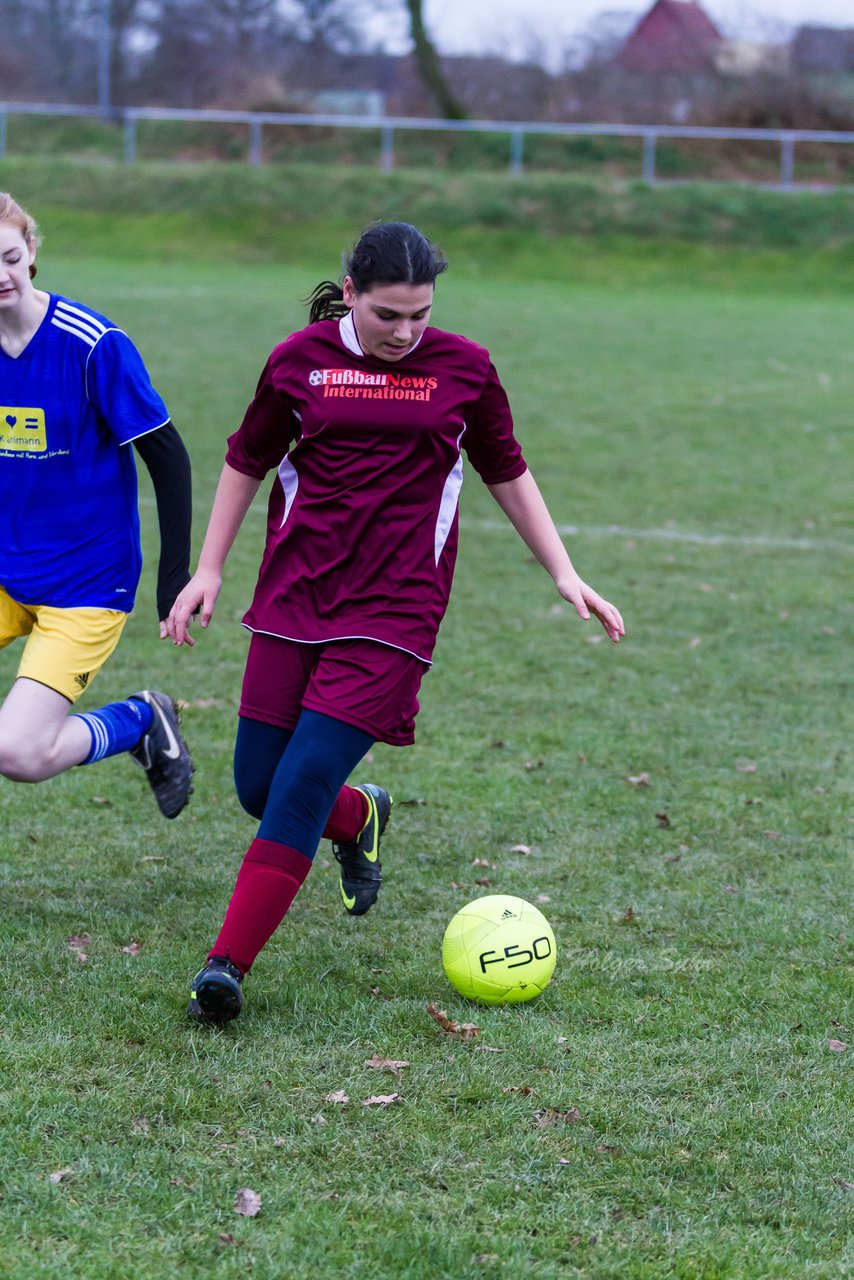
{"x": 347, "y": 332}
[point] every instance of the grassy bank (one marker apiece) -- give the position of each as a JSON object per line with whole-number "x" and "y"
{"x": 534, "y": 227}
{"x": 595, "y": 156}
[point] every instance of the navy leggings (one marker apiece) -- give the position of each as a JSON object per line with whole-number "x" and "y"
{"x": 290, "y": 778}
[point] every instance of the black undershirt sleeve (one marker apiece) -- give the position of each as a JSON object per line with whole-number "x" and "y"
{"x": 168, "y": 464}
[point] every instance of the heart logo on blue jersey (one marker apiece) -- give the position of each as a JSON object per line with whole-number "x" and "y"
{"x": 11, "y": 419}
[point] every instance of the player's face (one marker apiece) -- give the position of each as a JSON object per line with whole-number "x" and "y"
{"x": 389, "y": 318}
{"x": 15, "y": 259}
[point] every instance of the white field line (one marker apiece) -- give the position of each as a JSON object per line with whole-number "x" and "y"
{"x": 758, "y": 542}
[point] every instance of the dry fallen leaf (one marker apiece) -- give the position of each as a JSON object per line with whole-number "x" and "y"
{"x": 382, "y": 1100}
{"x": 141, "y": 1124}
{"x": 386, "y": 1064}
{"x": 488, "y": 1048}
{"x": 837, "y": 1046}
{"x": 520, "y": 848}
{"x": 481, "y": 862}
{"x": 846, "y": 1186}
{"x": 548, "y": 1115}
{"x": 663, "y": 820}
{"x": 103, "y": 801}
{"x": 542, "y": 898}
{"x": 247, "y": 1202}
{"x": 747, "y": 766}
{"x": 629, "y": 916}
{"x": 78, "y": 942}
{"x": 638, "y": 779}
{"x": 225, "y": 1237}
{"x": 524, "y": 1089}
{"x": 132, "y": 948}
{"x": 338, "y": 1096}
{"x": 59, "y": 1174}
{"x": 465, "y": 1030}
{"x": 483, "y": 881}
{"x": 318, "y": 1119}
{"x": 278, "y": 1142}
{"x": 607, "y": 1150}
{"x": 694, "y": 642}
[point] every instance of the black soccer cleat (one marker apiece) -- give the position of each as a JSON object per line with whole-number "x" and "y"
{"x": 360, "y": 862}
{"x": 216, "y": 996}
{"x": 163, "y": 754}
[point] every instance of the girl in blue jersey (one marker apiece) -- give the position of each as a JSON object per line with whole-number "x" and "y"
{"x": 74, "y": 394}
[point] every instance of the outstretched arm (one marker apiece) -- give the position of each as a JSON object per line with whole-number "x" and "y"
{"x": 233, "y": 499}
{"x": 525, "y": 508}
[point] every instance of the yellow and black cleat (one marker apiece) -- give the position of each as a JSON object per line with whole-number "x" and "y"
{"x": 361, "y": 875}
{"x": 216, "y": 996}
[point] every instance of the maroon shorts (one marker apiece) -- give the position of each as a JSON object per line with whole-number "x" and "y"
{"x": 362, "y": 682}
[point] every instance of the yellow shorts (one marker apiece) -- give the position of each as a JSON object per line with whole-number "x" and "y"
{"x": 66, "y": 648}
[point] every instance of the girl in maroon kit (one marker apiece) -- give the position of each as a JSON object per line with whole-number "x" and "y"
{"x": 364, "y": 417}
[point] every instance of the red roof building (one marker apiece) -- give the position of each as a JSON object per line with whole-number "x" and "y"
{"x": 673, "y": 36}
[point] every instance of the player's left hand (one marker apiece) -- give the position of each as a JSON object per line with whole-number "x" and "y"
{"x": 587, "y": 601}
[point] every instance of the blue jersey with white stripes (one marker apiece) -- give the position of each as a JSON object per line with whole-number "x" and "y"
{"x": 70, "y": 404}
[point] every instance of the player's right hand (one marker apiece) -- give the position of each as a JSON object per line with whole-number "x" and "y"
{"x": 198, "y": 597}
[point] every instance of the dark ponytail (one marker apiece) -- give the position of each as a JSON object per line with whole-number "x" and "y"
{"x": 387, "y": 253}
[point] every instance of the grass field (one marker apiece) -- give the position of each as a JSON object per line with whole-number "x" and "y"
{"x": 674, "y": 1105}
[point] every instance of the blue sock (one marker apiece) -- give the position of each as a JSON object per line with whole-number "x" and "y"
{"x": 257, "y": 752}
{"x": 315, "y": 764}
{"x": 117, "y": 727}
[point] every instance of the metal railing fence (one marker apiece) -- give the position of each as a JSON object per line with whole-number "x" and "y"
{"x": 128, "y": 119}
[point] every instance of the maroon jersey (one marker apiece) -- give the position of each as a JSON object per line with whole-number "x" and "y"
{"x": 362, "y": 520}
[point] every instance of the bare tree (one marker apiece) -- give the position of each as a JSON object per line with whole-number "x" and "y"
{"x": 429, "y": 66}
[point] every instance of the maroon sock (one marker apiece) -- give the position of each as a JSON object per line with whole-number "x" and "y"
{"x": 349, "y": 814}
{"x": 267, "y": 883}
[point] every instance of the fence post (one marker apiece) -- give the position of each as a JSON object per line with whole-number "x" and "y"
{"x": 256, "y": 146}
{"x": 787, "y": 162}
{"x": 649, "y": 141}
{"x": 130, "y": 137}
{"x": 387, "y": 149}
{"x": 517, "y": 151}
{"x": 4, "y": 117}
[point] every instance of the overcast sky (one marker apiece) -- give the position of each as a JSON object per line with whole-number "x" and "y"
{"x": 545, "y": 27}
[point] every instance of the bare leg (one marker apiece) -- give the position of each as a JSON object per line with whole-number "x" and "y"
{"x": 38, "y": 737}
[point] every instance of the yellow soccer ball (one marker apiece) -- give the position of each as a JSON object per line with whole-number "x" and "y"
{"x": 499, "y": 950}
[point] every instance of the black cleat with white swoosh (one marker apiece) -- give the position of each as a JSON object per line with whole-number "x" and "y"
{"x": 163, "y": 754}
